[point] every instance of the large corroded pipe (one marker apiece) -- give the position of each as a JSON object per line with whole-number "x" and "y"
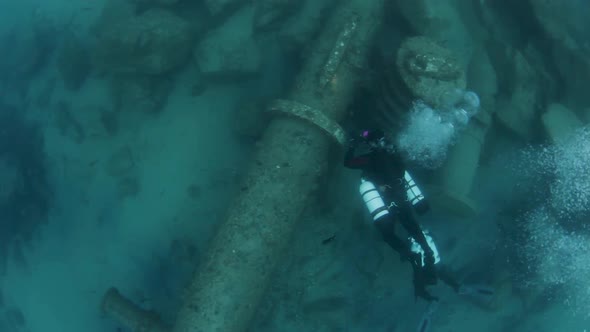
{"x": 559, "y": 122}
{"x": 291, "y": 157}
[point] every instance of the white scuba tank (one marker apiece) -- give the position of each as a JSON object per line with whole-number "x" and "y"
{"x": 417, "y": 248}
{"x": 373, "y": 200}
{"x": 413, "y": 193}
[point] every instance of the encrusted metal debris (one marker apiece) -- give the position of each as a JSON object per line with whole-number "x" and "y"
{"x": 338, "y": 52}
{"x": 311, "y": 115}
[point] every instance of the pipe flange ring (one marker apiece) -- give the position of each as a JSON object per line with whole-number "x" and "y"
{"x": 311, "y": 115}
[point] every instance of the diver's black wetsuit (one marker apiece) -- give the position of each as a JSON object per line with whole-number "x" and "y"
{"x": 386, "y": 171}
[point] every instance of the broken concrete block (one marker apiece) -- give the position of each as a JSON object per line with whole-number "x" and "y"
{"x": 559, "y": 122}
{"x": 152, "y": 43}
{"x": 519, "y": 112}
{"x": 270, "y": 14}
{"x": 230, "y": 51}
{"x": 217, "y": 7}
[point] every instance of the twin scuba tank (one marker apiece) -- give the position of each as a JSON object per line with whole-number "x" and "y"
{"x": 377, "y": 206}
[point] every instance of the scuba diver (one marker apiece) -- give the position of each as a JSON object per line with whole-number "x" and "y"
{"x": 392, "y": 196}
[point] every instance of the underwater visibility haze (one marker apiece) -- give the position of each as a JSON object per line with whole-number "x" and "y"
{"x": 294, "y": 165}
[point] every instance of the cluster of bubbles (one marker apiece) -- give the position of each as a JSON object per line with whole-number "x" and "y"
{"x": 559, "y": 259}
{"x": 570, "y": 191}
{"x": 557, "y": 248}
{"x": 554, "y": 251}
{"x": 430, "y": 132}
{"x": 566, "y": 165}
{"x": 426, "y": 138}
